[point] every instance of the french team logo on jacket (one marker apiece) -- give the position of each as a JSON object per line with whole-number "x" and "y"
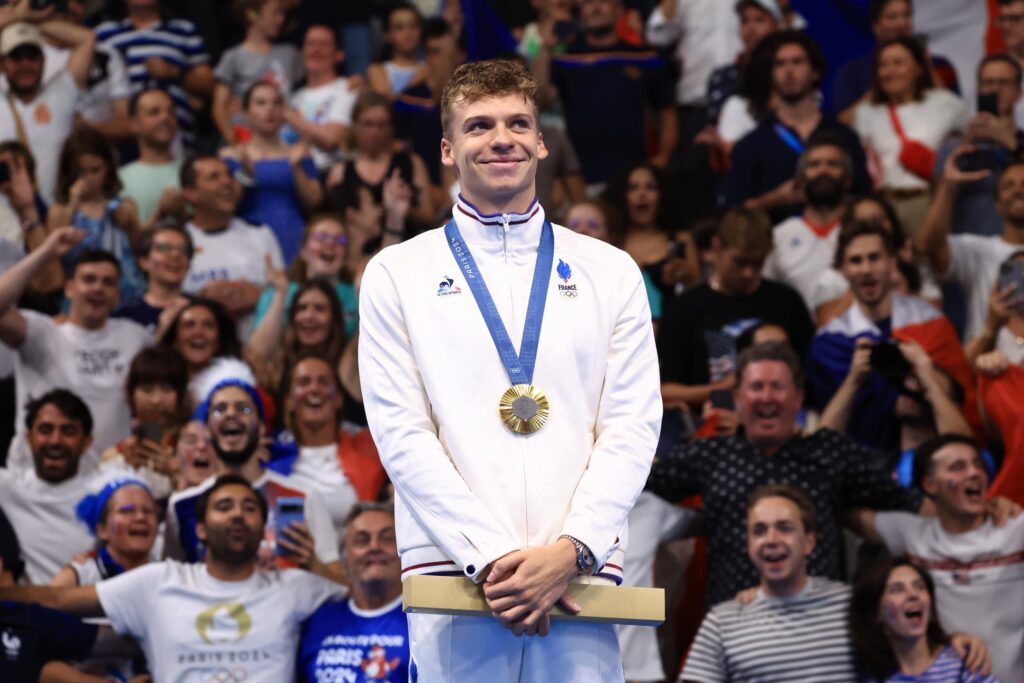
{"x": 565, "y": 272}
{"x": 447, "y": 287}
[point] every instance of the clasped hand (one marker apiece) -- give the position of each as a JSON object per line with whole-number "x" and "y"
{"x": 523, "y": 586}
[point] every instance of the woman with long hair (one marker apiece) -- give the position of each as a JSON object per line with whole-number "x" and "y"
{"x": 403, "y": 35}
{"x": 894, "y": 625}
{"x": 201, "y": 331}
{"x": 903, "y": 122}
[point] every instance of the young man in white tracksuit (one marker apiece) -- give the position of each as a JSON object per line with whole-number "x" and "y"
{"x": 514, "y": 463}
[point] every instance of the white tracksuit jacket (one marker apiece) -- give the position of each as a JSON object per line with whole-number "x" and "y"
{"x": 469, "y": 490}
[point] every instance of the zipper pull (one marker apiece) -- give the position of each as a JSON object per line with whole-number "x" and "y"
{"x": 505, "y": 219}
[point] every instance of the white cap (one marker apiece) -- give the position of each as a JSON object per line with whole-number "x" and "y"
{"x": 769, "y": 6}
{"x": 16, "y": 35}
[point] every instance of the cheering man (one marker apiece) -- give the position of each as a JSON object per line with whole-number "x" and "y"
{"x": 513, "y": 464}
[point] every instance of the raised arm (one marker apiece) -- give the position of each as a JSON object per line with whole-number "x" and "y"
{"x": 82, "y": 42}
{"x": 14, "y": 282}
{"x": 837, "y": 413}
{"x": 933, "y": 239}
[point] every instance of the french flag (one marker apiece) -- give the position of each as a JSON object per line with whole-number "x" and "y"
{"x": 1003, "y": 397}
{"x": 913, "y": 319}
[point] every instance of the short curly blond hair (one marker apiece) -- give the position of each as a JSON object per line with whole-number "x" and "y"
{"x": 491, "y": 78}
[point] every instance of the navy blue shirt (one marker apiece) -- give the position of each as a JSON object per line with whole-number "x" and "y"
{"x": 343, "y": 643}
{"x": 31, "y": 636}
{"x": 606, "y": 94}
{"x": 764, "y": 159}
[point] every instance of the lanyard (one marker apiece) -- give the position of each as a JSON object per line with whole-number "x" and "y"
{"x": 791, "y": 140}
{"x": 519, "y": 367}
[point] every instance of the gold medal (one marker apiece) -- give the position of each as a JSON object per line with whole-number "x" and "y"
{"x": 524, "y": 408}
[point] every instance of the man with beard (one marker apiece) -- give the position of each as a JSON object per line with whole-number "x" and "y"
{"x": 608, "y": 88}
{"x": 895, "y": 324}
{"x": 151, "y": 181}
{"x": 40, "y": 501}
{"x": 805, "y": 245}
{"x": 86, "y": 349}
{"x": 40, "y": 115}
{"x": 972, "y": 261}
{"x": 233, "y": 412}
{"x": 367, "y": 633}
{"x": 763, "y": 162}
{"x": 221, "y": 619}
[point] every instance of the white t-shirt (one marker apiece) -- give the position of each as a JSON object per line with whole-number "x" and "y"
{"x": 979, "y": 580}
{"x": 328, "y": 103}
{"x": 193, "y": 627}
{"x": 318, "y": 469}
{"x": 92, "y": 363}
{"x": 930, "y": 121}
{"x": 235, "y": 253}
{"x": 735, "y": 120}
{"x": 801, "y": 255}
{"x": 48, "y": 121}
{"x": 43, "y": 516}
{"x": 974, "y": 264}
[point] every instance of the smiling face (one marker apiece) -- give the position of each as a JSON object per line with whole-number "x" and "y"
{"x": 320, "y": 53}
{"x": 642, "y": 195}
{"x": 131, "y": 523}
{"x": 154, "y": 122}
{"x": 869, "y": 269}
{"x": 957, "y": 481}
{"x": 1010, "y": 195}
{"x": 311, "y": 318}
{"x": 906, "y": 605}
{"x": 194, "y": 451}
{"x": 370, "y": 551}
{"x": 314, "y": 399}
{"x": 494, "y": 147}
{"x": 767, "y": 402}
{"x": 93, "y": 293}
{"x": 167, "y": 261}
{"x": 234, "y": 425}
{"x": 198, "y": 337}
{"x": 325, "y": 249}
{"x": 778, "y": 544}
{"x": 898, "y": 72}
{"x": 216, "y": 192}
{"x": 23, "y": 67}
{"x": 57, "y": 443}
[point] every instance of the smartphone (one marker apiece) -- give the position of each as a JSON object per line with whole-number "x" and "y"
{"x": 888, "y": 361}
{"x": 1011, "y": 272}
{"x": 151, "y": 431}
{"x": 722, "y": 399}
{"x": 5, "y": 172}
{"x": 986, "y": 157}
{"x": 288, "y": 510}
{"x": 989, "y": 104}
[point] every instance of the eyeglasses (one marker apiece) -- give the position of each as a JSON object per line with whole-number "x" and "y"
{"x": 323, "y": 238}
{"x": 147, "y": 510}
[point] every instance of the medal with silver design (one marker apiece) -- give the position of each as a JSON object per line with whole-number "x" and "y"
{"x": 523, "y": 408}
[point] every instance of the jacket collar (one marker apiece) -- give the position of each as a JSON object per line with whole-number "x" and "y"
{"x": 488, "y": 230}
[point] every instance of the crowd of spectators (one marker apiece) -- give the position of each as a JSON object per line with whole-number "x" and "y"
{"x": 836, "y": 281}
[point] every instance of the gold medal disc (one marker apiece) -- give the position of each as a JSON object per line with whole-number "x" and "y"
{"x": 524, "y": 408}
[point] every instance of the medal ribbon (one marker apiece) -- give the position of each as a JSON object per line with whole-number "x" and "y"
{"x": 519, "y": 367}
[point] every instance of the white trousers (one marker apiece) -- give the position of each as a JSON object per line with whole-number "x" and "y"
{"x": 447, "y": 649}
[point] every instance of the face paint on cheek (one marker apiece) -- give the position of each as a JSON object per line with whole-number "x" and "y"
{"x": 953, "y": 487}
{"x": 889, "y": 611}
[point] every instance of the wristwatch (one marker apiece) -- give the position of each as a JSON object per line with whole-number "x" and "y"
{"x": 586, "y": 563}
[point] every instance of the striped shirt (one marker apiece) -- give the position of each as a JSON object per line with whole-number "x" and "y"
{"x": 947, "y": 668}
{"x": 174, "y": 40}
{"x": 771, "y": 640}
